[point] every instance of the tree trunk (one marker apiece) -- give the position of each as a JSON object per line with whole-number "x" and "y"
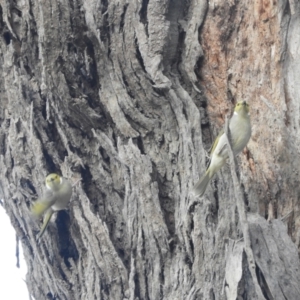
{"x": 127, "y": 95}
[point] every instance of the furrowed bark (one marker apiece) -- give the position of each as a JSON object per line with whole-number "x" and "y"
{"x": 127, "y": 95}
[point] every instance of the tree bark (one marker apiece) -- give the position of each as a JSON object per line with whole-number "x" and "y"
{"x": 127, "y": 96}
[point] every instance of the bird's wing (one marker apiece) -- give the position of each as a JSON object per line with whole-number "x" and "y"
{"x": 41, "y": 205}
{"x": 214, "y": 145}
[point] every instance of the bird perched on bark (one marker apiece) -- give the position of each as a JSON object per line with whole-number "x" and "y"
{"x": 240, "y": 132}
{"x": 56, "y": 197}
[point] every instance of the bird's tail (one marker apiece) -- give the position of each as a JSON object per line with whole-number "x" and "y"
{"x": 200, "y": 187}
{"x": 47, "y": 218}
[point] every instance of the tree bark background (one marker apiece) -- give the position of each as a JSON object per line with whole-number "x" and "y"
{"x": 127, "y": 95}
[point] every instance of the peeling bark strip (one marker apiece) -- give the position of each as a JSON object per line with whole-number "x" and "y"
{"x": 242, "y": 216}
{"x": 127, "y": 95}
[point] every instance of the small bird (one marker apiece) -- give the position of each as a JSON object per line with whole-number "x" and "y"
{"x": 56, "y": 197}
{"x": 240, "y": 132}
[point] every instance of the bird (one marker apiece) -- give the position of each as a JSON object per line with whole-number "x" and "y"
{"x": 240, "y": 133}
{"x": 56, "y": 197}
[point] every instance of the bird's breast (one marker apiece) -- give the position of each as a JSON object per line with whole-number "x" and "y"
{"x": 63, "y": 196}
{"x": 240, "y": 134}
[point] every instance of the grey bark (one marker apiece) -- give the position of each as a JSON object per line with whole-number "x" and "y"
{"x": 120, "y": 94}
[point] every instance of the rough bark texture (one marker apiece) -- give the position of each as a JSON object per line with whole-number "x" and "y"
{"x": 127, "y": 95}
